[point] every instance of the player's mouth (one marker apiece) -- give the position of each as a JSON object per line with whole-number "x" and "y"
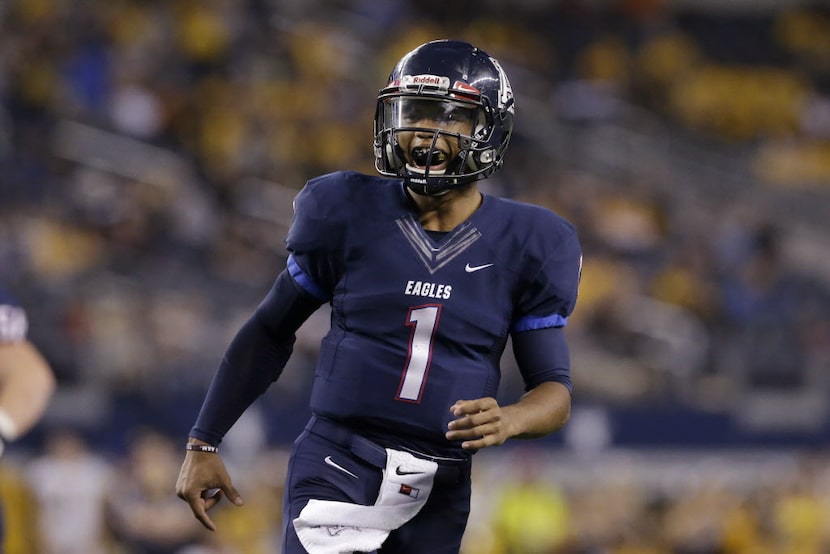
{"x": 423, "y": 156}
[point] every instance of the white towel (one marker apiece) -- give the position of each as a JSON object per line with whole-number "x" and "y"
{"x": 330, "y": 527}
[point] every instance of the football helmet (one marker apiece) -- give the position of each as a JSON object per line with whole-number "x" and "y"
{"x": 444, "y": 92}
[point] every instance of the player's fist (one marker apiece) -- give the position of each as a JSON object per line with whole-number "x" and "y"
{"x": 479, "y": 423}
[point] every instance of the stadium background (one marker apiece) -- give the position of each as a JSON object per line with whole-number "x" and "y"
{"x": 149, "y": 152}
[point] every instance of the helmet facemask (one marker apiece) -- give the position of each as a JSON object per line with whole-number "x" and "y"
{"x": 434, "y": 143}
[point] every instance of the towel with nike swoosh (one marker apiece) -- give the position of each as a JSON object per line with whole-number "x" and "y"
{"x": 331, "y": 527}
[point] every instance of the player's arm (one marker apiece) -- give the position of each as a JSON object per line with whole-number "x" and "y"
{"x": 547, "y": 299}
{"x": 544, "y": 361}
{"x": 26, "y": 380}
{"x": 261, "y": 348}
{"x": 254, "y": 359}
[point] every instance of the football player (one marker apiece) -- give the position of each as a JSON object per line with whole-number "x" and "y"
{"x": 427, "y": 278}
{"x": 26, "y": 379}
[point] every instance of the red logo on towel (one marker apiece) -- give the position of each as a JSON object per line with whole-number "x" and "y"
{"x": 409, "y": 491}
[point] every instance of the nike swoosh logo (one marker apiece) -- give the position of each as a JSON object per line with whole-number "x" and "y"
{"x": 335, "y": 465}
{"x": 471, "y": 268}
{"x": 399, "y": 471}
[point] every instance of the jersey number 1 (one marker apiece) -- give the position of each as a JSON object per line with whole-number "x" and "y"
{"x": 423, "y": 321}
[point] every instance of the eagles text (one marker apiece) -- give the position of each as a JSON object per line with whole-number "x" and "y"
{"x": 427, "y": 290}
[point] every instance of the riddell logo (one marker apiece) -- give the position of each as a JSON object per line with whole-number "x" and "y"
{"x": 426, "y": 79}
{"x": 442, "y": 83}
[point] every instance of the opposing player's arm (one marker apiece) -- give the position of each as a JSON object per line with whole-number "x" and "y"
{"x": 26, "y": 379}
{"x": 27, "y": 385}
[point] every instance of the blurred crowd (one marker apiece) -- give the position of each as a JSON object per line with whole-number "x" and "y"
{"x": 150, "y": 150}
{"x": 70, "y": 499}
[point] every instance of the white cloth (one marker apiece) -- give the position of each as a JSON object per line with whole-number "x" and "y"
{"x": 331, "y": 527}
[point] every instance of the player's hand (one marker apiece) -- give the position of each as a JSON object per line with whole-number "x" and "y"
{"x": 479, "y": 423}
{"x": 202, "y": 482}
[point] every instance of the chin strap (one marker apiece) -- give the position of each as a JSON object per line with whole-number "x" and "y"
{"x": 423, "y": 189}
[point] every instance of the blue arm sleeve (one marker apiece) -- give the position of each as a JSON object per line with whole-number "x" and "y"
{"x": 543, "y": 355}
{"x": 255, "y": 358}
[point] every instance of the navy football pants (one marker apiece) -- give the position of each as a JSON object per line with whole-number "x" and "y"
{"x": 436, "y": 529}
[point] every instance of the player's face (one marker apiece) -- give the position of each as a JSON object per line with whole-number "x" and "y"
{"x": 421, "y": 145}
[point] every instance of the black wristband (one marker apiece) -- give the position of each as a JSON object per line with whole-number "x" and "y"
{"x": 202, "y": 448}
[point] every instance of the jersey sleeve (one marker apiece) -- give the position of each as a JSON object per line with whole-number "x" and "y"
{"x": 313, "y": 240}
{"x": 554, "y": 268}
{"x": 13, "y": 322}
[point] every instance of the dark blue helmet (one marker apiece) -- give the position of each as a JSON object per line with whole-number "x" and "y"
{"x": 448, "y": 81}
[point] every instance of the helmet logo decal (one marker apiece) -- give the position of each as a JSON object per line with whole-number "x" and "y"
{"x": 505, "y": 90}
{"x": 415, "y": 82}
{"x": 465, "y": 91}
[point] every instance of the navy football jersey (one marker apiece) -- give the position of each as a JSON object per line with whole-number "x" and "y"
{"x": 417, "y": 322}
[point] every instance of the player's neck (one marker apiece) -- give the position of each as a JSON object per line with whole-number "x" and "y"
{"x": 445, "y": 213}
